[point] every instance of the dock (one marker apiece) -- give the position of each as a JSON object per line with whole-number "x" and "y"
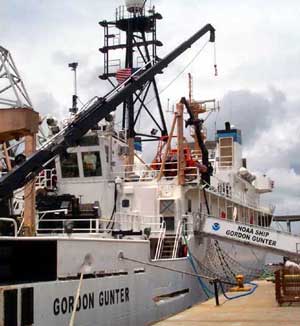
{"x": 259, "y": 308}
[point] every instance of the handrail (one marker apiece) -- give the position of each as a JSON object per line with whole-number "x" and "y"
{"x": 11, "y": 220}
{"x": 54, "y": 211}
{"x": 122, "y": 220}
{"x": 177, "y": 237}
{"x": 160, "y": 240}
{"x": 149, "y": 172}
{"x": 45, "y": 178}
{"x": 252, "y": 204}
{"x": 22, "y": 223}
{"x": 62, "y": 210}
{"x": 188, "y": 223}
{"x": 91, "y": 229}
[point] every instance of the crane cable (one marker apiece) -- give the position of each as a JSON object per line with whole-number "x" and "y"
{"x": 215, "y": 60}
{"x": 180, "y": 73}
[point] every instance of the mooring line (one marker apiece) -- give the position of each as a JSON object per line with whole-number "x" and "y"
{"x": 122, "y": 257}
{"x": 76, "y": 301}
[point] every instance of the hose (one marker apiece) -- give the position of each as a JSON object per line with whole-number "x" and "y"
{"x": 203, "y": 286}
{"x": 254, "y": 287}
{"x": 206, "y": 290}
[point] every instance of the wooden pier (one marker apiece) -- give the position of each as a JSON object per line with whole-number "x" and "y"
{"x": 258, "y": 309}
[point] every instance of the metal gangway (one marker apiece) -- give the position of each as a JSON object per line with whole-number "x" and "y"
{"x": 277, "y": 242}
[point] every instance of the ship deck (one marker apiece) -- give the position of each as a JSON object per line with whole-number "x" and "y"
{"x": 260, "y": 308}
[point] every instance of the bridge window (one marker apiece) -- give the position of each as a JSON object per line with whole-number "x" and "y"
{"x": 226, "y": 152}
{"x": 90, "y": 140}
{"x": 189, "y": 205}
{"x": 269, "y": 220}
{"x": 69, "y": 165}
{"x": 125, "y": 203}
{"x": 106, "y": 153}
{"x": 91, "y": 164}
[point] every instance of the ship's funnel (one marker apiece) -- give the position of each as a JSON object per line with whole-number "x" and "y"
{"x": 134, "y": 5}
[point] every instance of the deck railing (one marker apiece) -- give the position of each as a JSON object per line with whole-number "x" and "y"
{"x": 161, "y": 237}
{"x": 12, "y": 222}
{"x": 177, "y": 238}
{"x": 120, "y": 221}
{"x": 140, "y": 172}
{"x": 46, "y": 179}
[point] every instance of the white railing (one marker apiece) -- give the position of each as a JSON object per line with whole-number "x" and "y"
{"x": 58, "y": 224}
{"x": 137, "y": 222}
{"x": 225, "y": 190}
{"x": 241, "y": 221}
{"x": 22, "y": 223}
{"x": 188, "y": 225}
{"x": 160, "y": 241}
{"x": 41, "y": 214}
{"x": 147, "y": 172}
{"x": 46, "y": 179}
{"x": 127, "y": 221}
{"x": 93, "y": 225}
{"x": 11, "y": 220}
{"x": 177, "y": 238}
{"x": 120, "y": 221}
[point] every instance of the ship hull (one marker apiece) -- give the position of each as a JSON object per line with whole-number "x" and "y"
{"x": 118, "y": 291}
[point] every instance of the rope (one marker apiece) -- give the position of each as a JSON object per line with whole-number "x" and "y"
{"x": 205, "y": 289}
{"x": 208, "y": 271}
{"x": 180, "y": 73}
{"x": 76, "y": 301}
{"x": 215, "y": 60}
{"x": 227, "y": 260}
{"x": 223, "y": 261}
{"x": 172, "y": 269}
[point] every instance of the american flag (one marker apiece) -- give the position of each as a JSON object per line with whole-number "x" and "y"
{"x": 124, "y": 74}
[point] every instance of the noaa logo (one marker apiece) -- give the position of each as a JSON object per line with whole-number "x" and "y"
{"x": 216, "y": 226}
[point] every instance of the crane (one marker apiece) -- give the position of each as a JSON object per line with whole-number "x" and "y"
{"x": 84, "y": 120}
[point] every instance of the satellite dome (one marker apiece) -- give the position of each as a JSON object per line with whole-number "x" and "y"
{"x": 134, "y": 5}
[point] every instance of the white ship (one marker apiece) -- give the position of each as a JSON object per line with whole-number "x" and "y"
{"x": 120, "y": 239}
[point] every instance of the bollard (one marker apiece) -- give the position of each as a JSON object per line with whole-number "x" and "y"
{"x": 216, "y": 291}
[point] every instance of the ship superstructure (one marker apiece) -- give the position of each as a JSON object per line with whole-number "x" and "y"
{"x": 112, "y": 235}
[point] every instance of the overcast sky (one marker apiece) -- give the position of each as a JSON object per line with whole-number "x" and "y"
{"x": 258, "y": 56}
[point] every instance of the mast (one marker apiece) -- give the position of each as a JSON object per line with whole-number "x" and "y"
{"x": 74, "y": 108}
{"x": 137, "y": 26}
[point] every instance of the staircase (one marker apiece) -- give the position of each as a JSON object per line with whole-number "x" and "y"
{"x": 168, "y": 246}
